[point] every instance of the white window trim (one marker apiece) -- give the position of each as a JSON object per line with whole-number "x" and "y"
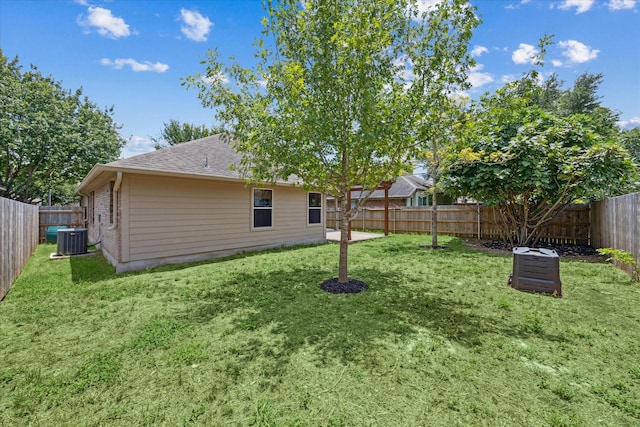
{"x": 253, "y": 209}
{"x": 321, "y": 209}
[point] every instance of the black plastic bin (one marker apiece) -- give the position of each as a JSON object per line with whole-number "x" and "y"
{"x": 536, "y": 270}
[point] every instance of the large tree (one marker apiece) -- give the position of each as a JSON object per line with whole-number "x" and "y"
{"x": 175, "y": 132}
{"x": 581, "y": 98}
{"x": 337, "y": 91}
{"x": 50, "y": 137}
{"x": 530, "y": 160}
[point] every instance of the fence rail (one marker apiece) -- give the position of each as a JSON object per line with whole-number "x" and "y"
{"x": 18, "y": 239}
{"x": 615, "y": 223}
{"x": 70, "y": 216}
{"x": 470, "y": 221}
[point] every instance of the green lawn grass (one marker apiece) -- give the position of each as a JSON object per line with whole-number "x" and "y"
{"x": 439, "y": 339}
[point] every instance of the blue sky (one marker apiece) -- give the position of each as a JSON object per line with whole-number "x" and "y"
{"x": 131, "y": 54}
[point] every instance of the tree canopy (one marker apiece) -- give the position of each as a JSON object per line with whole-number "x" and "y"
{"x": 338, "y": 91}
{"x": 630, "y": 139}
{"x": 50, "y": 137}
{"x": 532, "y": 149}
{"x": 176, "y": 132}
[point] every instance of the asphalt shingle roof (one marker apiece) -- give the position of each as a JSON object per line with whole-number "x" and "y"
{"x": 209, "y": 156}
{"x": 404, "y": 186}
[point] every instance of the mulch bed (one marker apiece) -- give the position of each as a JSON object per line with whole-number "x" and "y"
{"x": 584, "y": 252}
{"x": 353, "y": 286}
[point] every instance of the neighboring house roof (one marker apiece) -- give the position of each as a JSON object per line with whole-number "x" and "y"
{"x": 209, "y": 157}
{"x": 403, "y": 187}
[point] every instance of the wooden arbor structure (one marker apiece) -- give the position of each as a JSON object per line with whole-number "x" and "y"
{"x": 384, "y": 185}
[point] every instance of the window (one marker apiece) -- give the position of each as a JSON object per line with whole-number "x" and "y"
{"x": 262, "y": 208}
{"x": 111, "y": 194}
{"x": 423, "y": 201}
{"x": 315, "y": 208}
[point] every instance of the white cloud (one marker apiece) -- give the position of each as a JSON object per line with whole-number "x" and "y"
{"x": 557, "y": 63}
{"x": 427, "y": 5}
{"x": 105, "y": 23}
{"x": 479, "y": 79}
{"x": 421, "y": 8}
{"x": 633, "y": 122}
{"x": 576, "y": 52}
{"x": 195, "y": 26}
{"x": 525, "y": 54}
{"x": 512, "y": 6}
{"x": 580, "y": 5}
{"x": 136, "y": 66}
{"x": 508, "y": 78}
{"x": 218, "y": 77}
{"x": 621, "y": 4}
{"x": 137, "y": 145}
{"x": 478, "y": 50}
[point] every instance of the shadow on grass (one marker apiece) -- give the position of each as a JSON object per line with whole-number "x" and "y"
{"x": 288, "y": 301}
{"x": 96, "y": 268}
{"x": 91, "y": 269}
{"x": 344, "y": 327}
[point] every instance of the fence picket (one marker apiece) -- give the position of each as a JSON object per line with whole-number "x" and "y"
{"x": 18, "y": 239}
{"x": 615, "y": 223}
{"x": 70, "y": 216}
{"x": 570, "y": 226}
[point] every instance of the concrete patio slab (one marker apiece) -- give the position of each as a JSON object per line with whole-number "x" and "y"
{"x": 356, "y": 236}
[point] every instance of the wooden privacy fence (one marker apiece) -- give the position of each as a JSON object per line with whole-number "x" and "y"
{"x": 70, "y": 216}
{"x": 470, "y": 221}
{"x": 615, "y": 223}
{"x": 18, "y": 239}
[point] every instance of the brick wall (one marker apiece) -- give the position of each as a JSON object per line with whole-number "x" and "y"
{"x": 100, "y": 220}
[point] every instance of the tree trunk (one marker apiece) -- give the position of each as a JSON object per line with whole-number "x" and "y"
{"x": 434, "y": 220}
{"x": 343, "y": 276}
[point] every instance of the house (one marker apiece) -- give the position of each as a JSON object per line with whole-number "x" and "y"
{"x": 406, "y": 191}
{"x": 184, "y": 203}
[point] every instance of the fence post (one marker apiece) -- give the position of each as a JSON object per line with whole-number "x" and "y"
{"x": 478, "y": 210}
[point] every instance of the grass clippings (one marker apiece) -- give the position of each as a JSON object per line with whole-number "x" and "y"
{"x": 438, "y": 339}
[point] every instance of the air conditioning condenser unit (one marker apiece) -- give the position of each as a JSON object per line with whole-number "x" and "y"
{"x": 72, "y": 241}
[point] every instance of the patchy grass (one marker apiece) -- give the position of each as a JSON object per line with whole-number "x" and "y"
{"x": 438, "y": 339}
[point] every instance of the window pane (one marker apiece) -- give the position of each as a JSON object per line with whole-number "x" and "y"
{"x": 261, "y": 218}
{"x": 315, "y": 216}
{"x": 315, "y": 200}
{"x": 262, "y": 198}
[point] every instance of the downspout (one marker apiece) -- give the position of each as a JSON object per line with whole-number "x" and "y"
{"x": 116, "y": 190}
